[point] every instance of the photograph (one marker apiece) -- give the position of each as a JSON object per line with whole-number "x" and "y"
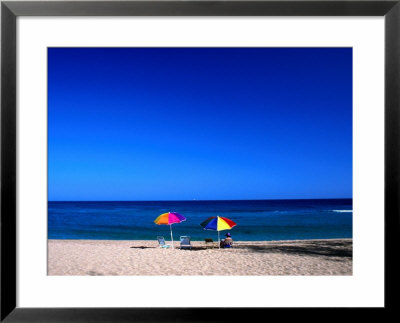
{"x": 200, "y": 161}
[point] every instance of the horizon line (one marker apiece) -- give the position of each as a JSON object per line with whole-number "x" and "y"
{"x": 196, "y": 200}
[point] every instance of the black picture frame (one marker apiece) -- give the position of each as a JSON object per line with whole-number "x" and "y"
{"x": 10, "y": 10}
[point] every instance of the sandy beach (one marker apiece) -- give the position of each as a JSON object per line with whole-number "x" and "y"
{"x": 144, "y": 258}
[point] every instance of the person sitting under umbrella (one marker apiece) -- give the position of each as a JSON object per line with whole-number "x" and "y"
{"x": 227, "y": 242}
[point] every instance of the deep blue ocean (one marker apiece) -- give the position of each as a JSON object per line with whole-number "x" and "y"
{"x": 256, "y": 219}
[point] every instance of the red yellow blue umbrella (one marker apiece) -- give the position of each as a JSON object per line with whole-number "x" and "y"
{"x": 170, "y": 218}
{"x": 217, "y": 223}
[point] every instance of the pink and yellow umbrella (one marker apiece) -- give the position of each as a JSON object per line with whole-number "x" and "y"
{"x": 170, "y": 218}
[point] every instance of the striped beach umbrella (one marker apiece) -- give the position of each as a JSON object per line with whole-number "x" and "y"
{"x": 170, "y": 218}
{"x": 217, "y": 223}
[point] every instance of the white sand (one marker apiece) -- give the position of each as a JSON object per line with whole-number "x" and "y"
{"x": 99, "y": 257}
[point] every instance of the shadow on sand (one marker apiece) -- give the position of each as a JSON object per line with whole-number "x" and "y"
{"x": 142, "y": 247}
{"x": 314, "y": 248}
{"x": 194, "y": 248}
{"x": 339, "y": 248}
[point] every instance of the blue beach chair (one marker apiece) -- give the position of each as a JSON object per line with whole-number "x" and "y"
{"x": 227, "y": 245}
{"x": 185, "y": 242}
{"x": 161, "y": 242}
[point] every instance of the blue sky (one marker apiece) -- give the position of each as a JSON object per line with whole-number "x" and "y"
{"x": 199, "y": 123}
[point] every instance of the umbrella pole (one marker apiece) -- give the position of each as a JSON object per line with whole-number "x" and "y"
{"x": 219, "y": 242}
{"x": 172, "y": 238}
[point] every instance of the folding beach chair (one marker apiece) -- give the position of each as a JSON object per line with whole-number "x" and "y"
{"x": 185, "y": 242}
{"x": 227, "y": 245}
{"x": 209, "y": 242}
{"x": 161, "y": 242}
